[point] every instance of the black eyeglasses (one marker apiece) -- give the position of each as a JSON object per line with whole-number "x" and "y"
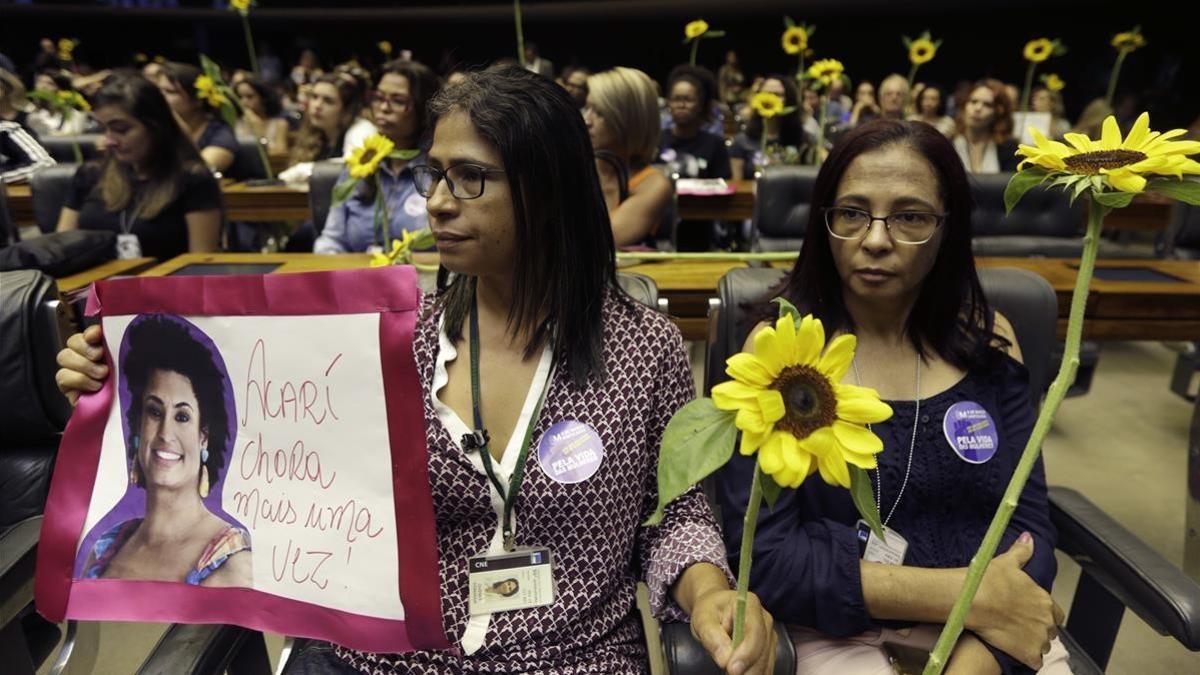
{"x": 466, "y": 181}
{"x": 397, "y": 103}
{"x": 904, "y": 227}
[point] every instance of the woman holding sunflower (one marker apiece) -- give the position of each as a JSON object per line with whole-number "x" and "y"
{"x": 195, "y": 101}
{"x": 398, "y": 106}
{"x": 528, "y": 330}
{"x": 887, "y": 259}
{"x": 781, "y": 131}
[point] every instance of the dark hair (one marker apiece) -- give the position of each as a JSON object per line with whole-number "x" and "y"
{"x": 791, "y": 130}
{"x": 184, "y": 76}
{"x": 516, "y": 587}
{"x": 61, "y": 80}
{"x": 568, "y": 71}
{"x": 164, "y": 342}
{"x": 271, "y": 105}
{"x": 423, "y": 84}
{"x": 700, "y": 78}
{"x": 941, "y": 107}
{"x": 951, "y": 314}
{"x": 171, "y": 156}
{"x": 311, "y": 143}
{"x": 565, "y": 257}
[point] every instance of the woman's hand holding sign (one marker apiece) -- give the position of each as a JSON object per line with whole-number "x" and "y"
{"x": 82, "y": 364}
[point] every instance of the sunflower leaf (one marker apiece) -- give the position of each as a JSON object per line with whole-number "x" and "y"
{"x": 1113, "y": 200}
{"x": 770, "y": 489}
{"x": 787, "y": 309}
{"x": 1186, "y": 191}
{"x": 1081, "y": 186}
{"x": 1021, "y": 183}
{"x": 714, "y": 34}
{"x": 698, "y": 440}
{"x": 343, "y": 190}
{"x": 788, "y": 23}
{"x": 864, "y": 501}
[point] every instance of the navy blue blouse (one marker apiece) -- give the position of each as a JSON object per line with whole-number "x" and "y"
{"x": 806, "y": 554}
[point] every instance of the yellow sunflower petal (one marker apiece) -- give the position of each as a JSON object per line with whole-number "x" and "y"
{"x": 1080, "y": 142}
{"x": 1139, "y": 134}
{"x": 770, "y": 457}
{"x": 1048, "y": 146}
{"x": 770, "y": 402}
{"x": 857, "y": 439}
{"x": 749, "y": 369}
{"x": 1124, "y": 180}
{"x": 1110, "y": 135}
{"x": 833, "y": 469}
{"x": 810, "y": 340}
{"x": 751, "y": 442}
{"x": 734, "y": 395}
{"x": 837, "y": 357}
{"x": 767, "y": 349}
{"x": 862, "y": 409}
{"x": 794, "y": 456}
{"x": 751, "y": 419}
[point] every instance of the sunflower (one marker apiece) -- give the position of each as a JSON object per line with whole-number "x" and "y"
{"x": 795, "y": 40}
{"x": 1038, "y": 50}
{"x": 207, "y": 89}
{"x": 766, "y": 104}
{"x": 365, "y": 159}
{"x": 242, "y": 6}
{"x": 695, "y": 29}
{"x": 826, "y": 71}
{"x": 1128, "y": 41}
{"x": 792, "y": 410}
{"x": 1122, "y": 164}
{"x": 922, "y": 51}
{"x": 1053, "y": 82}
{"x": 385, "y": 47}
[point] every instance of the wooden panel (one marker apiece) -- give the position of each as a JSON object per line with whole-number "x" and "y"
{"x": 112, "y": 268}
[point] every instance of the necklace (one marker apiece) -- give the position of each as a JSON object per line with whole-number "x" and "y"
{"x": 912, "y": 444}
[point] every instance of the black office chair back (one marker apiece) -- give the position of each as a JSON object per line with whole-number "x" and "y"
{"x": 320, "y": 191}
{"x": 247, "y": 162}
{"x": 1182, "y": 236}
{"x": 34, "y": 413}
{"x": 781, "y": 207}
{"x": 8, "y": 229}
{"x": 50, "y": 188}
{"x": 1043, "y": 223}
{"x": 62, "y": 148}
{"x": 1025, "y": 299}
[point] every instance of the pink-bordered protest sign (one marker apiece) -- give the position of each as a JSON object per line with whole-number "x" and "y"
{"x": 256, "y": 457}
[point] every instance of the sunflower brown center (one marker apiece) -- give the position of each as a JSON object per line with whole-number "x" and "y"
{"x": 1090, "y": 163}
{"x": 808, "y": 400}
{"x": 368, "y": 155}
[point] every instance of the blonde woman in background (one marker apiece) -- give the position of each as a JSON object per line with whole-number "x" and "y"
{"x": 623, "y": 123}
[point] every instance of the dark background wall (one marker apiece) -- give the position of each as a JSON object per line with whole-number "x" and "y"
{"x": 982, "y": 37}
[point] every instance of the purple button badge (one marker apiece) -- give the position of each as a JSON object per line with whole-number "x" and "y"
{"x": 971, "y": 432}
{"x": 570, "y": 452}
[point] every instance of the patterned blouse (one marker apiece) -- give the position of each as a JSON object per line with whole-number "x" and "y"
{"x": 593, "y": 528}
{"x": 228, "y": 541}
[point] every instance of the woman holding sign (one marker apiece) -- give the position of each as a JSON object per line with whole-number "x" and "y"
{"x": 887, "y": 257}
{"x": 546, "y": 393}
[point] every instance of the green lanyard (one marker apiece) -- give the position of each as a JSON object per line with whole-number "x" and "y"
{"x": 478, "y": 439}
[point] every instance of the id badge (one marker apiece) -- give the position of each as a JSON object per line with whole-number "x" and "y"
{"x": 889, "y": 551}
{"x": 128, "y": 247}
{"x": 518, "y": 580}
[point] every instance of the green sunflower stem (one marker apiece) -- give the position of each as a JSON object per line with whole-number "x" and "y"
{"x": 1028, "y": 87}
{"x": 912, "y": 76}
{"x": 250, "y": 45}
{"x": 1058, "y": 390}
{"x": 695, "y": 49}
{"x": 381, "y": 225}
{"x": 1112, "y": 79}
{"x": 800, "y": 70}
{"x": 78, "y": 152}
{"x": 520, "y": 33}
{"x": 749, "y": 523}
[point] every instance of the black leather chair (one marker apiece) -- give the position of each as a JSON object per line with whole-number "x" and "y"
{"x": 320, "y": 191}
{"x": 8, "y": 229}
{"x": 667, "y": 237}
{"x": 34, "y": 323}
{"x": 62, "y": 148}
{"x": 781, "y": 207}
{"x": 50, "y": 188}
{"x": 1181, "y": 241}
{"x": 1119, "y": 570}
{"x": 247, "y": 163}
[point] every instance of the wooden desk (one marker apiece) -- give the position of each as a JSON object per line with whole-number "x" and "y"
{"x": 265, "y": 203}
{"x": 737, "y": 206}
{"x": 20, "y": 204}
{"x": 1116, "y": 310}
{"x": 112, "y": 268}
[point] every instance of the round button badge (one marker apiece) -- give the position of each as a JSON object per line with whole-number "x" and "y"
{"x": 570, "y": 452}
{"x": 971, "y": 432}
